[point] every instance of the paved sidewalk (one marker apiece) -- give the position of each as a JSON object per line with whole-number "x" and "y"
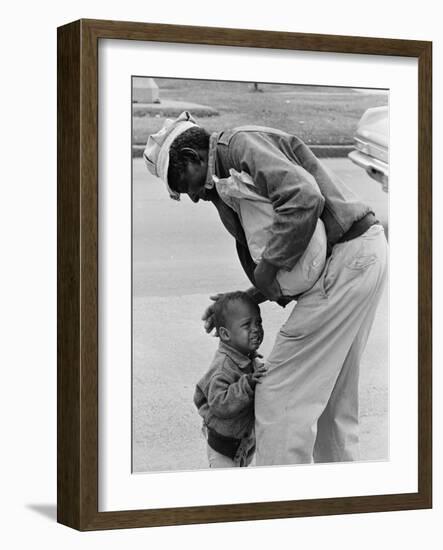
{"x": 167, "y": 366}
{"x": 182, "y": 254}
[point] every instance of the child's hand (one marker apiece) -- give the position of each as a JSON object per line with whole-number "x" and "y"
{"x": 259, "y": 371}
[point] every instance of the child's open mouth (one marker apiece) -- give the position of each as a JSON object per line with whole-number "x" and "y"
{"x": 255, "y": 341}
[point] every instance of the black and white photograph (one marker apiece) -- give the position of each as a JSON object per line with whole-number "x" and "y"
{"x": 278, "y": 127}
{"x": 260, "y": 319}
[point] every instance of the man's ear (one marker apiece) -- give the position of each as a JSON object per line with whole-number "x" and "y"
{"x": 190, "y": 155}
{"x": 224, "y": 334}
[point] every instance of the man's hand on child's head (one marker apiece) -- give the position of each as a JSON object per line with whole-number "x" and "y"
{"x": 208, "y": 315}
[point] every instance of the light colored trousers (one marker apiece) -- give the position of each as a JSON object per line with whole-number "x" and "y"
{"x": 307, "y": 405}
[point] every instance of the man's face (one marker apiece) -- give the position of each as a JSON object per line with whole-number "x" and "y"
{"x": 244, "y": 327}
{"x": 192, "y": 181}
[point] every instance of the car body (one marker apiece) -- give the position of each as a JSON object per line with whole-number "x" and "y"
{"x": 372, "y": 144}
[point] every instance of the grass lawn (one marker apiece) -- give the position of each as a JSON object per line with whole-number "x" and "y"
{"x": 319, "y": 115}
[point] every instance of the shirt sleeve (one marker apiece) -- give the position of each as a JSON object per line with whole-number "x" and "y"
{"x": 227, "y": 400}
{"x": 295, "y": 197}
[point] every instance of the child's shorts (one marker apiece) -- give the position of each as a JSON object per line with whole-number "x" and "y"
{"x": 242, "y": 456}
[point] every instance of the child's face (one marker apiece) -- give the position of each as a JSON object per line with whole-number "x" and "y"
{"x": 244, "y": 327}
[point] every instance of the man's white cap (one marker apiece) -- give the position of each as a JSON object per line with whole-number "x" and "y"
{"x": 156, "y": 153}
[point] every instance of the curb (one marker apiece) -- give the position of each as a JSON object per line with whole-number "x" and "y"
{"x": 172, "y": 108}
{"x": 320, "y": 151}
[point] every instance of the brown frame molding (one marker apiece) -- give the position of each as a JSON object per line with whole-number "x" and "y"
{"x": 77, "y": 316}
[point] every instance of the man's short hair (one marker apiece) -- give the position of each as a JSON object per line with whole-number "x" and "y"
{"x": 221, "y": 306}
{"x": 195, "y": 138}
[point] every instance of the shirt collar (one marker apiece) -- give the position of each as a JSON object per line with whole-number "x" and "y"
{"x": 242, "y": 361}
{"x": 209, "y": 182}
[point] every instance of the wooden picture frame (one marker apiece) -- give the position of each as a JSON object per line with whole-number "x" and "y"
{"x": 77, "y": 455}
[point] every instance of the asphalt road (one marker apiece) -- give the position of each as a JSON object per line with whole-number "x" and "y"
{"x": 181, "y": 255}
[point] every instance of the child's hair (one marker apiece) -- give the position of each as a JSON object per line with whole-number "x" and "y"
{"x": 222, "y": 304}
{"x": 195, "y": 138}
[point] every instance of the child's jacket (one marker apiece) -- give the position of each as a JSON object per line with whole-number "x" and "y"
{"x": 224, "y": 396}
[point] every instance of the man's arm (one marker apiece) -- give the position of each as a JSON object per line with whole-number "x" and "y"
{"x": 249, "y": 267}
{"x": 265, "y": 279}
{"x": 256, "y": 295}
{"x": 294, "y": 194}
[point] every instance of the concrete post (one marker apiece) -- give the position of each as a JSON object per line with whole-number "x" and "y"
{"x": 145, "y": 90}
